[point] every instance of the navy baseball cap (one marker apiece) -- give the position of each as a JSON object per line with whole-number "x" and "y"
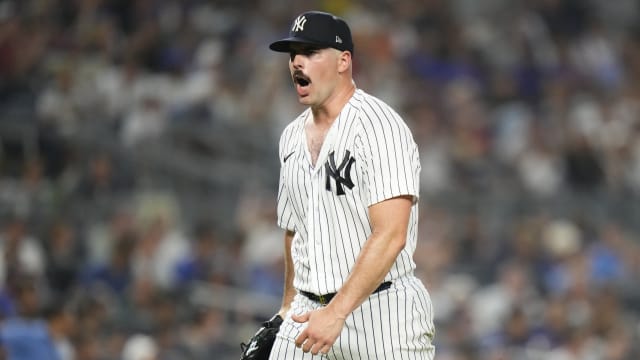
{"x": 317, "y": 28}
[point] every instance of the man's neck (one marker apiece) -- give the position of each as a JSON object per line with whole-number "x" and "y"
{"x": 324, "y": 115}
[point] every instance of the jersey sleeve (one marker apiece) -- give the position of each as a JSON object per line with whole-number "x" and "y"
{"x": 391, "y": 159}
{"x": 285, "y": 214}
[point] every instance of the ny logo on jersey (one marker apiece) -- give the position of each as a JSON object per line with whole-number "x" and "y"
{"x": 298, "y": 24}
{"x": 335, "y": 172}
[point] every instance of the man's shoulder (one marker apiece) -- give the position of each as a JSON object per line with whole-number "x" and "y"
{"x": 288, "y": 136}
{"x": 297, "y": 121}
{"x": 373, "y": 103}
{"x": 377, "y": 111}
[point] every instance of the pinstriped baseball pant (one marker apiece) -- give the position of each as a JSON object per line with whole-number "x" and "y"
{"x": 393, "y": 324}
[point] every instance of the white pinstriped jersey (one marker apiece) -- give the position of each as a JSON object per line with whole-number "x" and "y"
{"x": 368, "y": 155}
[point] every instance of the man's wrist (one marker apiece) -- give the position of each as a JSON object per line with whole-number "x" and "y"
{"x": 283, "y": 312}
{"x": 338, "y": 310}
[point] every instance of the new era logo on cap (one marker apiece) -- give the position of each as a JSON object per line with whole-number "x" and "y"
{"x": 317, "y": 28}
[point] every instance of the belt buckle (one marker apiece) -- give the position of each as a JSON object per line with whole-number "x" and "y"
{"x": 322, "y": 300}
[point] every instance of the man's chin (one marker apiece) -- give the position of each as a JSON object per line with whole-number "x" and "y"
{"x": 304, "y": 100}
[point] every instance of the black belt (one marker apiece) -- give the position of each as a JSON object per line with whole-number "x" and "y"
{"x": 324, "y": 299}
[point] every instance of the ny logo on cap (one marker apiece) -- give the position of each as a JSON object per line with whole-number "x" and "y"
{"x": 298, "y": 25}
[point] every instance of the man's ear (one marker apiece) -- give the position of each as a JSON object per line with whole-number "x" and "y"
{"x": 344, "y": 61}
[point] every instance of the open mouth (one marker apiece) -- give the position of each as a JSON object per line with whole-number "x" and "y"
{"x": 300, "y": 79}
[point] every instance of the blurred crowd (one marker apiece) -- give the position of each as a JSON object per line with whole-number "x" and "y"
{"x": 138, "y": 171}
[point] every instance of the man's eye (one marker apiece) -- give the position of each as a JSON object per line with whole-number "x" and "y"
{"x": 303, "y": 52}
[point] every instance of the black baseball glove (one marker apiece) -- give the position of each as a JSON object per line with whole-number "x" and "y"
{"x": 259, "y": 346}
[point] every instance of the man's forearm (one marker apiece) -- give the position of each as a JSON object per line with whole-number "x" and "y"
{"x": 389, "y": 221}
{"x": 373, "y": 264}
{"x": 289, "y": 291}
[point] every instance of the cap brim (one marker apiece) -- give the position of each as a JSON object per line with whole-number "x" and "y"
{"x": 284, "y": 45}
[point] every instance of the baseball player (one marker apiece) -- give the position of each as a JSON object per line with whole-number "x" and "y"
{"x": 348, "y": 203}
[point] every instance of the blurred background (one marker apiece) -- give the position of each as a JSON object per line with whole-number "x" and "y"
{"x": 138, "y": 171}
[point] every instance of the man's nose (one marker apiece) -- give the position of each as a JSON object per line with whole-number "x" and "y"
{"x": 296, "y": 61}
